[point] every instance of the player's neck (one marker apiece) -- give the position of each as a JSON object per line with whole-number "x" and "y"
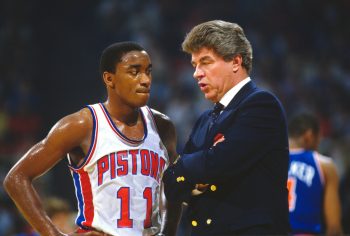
{"x": 122, "y": 113}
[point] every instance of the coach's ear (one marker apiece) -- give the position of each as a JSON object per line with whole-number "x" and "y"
{"x": 236, "y": 63}
{"x": 108, "y": 79}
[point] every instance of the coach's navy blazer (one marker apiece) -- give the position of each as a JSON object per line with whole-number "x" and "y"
{"x": 246, "y": 173}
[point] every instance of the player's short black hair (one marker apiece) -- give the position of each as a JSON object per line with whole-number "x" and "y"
{"x": 113, "y": 54}
{"x": 301, "y": 122}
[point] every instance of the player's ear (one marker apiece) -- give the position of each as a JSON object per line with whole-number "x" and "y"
{"x": 108, "y": 79}
{"x": 308, "y": 139}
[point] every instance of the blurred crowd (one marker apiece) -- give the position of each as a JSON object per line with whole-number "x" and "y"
{"x": 49, "y": 55}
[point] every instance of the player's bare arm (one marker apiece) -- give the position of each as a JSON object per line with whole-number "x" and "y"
{"x": 332, "y": 209}
{"x": 70, "y": 133}
{"x": 172, "y": 211}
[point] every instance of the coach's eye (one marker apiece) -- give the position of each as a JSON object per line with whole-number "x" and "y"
{"x": 206, "y": 62}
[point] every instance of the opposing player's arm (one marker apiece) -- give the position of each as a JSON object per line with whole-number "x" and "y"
{"x": 170, "y": 212}
{"x": 332, "y": 209}
{"x": 70, "y": 132}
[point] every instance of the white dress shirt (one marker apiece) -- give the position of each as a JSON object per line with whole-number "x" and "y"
{"x": 227, "y": 98}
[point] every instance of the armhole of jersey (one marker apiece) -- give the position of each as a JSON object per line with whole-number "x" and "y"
{"x": 157, "y": 130}
{"x": 316, "y": 157}
{"x": 153, "y": 119}
{"x": 92, "y": 143}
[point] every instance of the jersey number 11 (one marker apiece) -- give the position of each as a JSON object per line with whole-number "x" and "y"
{"x": 124, "y": 195}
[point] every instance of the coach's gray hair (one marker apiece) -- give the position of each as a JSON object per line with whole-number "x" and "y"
{"x": 225, "y": 38}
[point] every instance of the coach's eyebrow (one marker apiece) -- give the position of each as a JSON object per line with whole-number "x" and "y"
{"x": 201, "y": 60}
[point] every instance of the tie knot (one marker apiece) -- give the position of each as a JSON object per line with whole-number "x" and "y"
{"x": 218, "y": 108}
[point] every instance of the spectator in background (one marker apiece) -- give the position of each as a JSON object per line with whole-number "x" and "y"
{"x": 314, "y": 203}
{"x": 58, "y": 210}
{"x": 60, "y": 213}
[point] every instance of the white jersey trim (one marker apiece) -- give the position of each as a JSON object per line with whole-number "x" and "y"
{"x": 92, "y": 143}
{"x": 119, "y": 133}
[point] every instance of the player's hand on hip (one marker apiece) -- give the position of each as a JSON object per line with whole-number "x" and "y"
{"x": 90, "y": 233}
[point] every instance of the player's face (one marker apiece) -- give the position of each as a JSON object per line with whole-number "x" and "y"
{"x": 213, "y": 74}
{"x": 133, "y": 78}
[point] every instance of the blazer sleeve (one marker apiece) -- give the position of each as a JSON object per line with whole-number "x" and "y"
{"x": 259, "y": 126}
{"x": 189, "y": 147}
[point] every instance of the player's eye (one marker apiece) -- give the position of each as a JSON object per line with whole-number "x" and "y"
{"x": 149, "y": 71}
{"x": 133, "y": 72}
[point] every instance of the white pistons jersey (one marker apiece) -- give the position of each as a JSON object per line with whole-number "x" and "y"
{"x": 118, "y": 184}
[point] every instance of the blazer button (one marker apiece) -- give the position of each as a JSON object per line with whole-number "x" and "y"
{"x": 180, "y": 178}
{"x": 213, "y": 188}
{"x": 194, "y": 223}
{"x": 208, "y": 221}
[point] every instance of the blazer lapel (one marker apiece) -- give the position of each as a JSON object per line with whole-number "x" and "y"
{"x": 232, "y": 107}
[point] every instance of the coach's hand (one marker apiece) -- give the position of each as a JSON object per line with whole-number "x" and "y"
{"x": 200, "y": 188}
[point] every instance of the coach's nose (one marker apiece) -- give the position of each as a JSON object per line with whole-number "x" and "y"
{"x": 198, "y": 73}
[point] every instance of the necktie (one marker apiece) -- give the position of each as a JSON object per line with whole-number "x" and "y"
{"x": 215, "y": 113}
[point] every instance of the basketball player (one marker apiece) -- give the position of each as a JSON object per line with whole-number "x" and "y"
{"x": 314, "y": 203}
{"x": 117, "y": 152}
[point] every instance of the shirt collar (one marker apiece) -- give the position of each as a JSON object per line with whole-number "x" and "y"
{"x": 229, "y": 95}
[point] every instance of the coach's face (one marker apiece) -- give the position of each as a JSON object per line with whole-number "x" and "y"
{"x": 131, "y": 82}
{"x": 213, "y": 74}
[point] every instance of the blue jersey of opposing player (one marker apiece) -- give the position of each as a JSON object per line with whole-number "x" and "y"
{"x": 305, "y": 185}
